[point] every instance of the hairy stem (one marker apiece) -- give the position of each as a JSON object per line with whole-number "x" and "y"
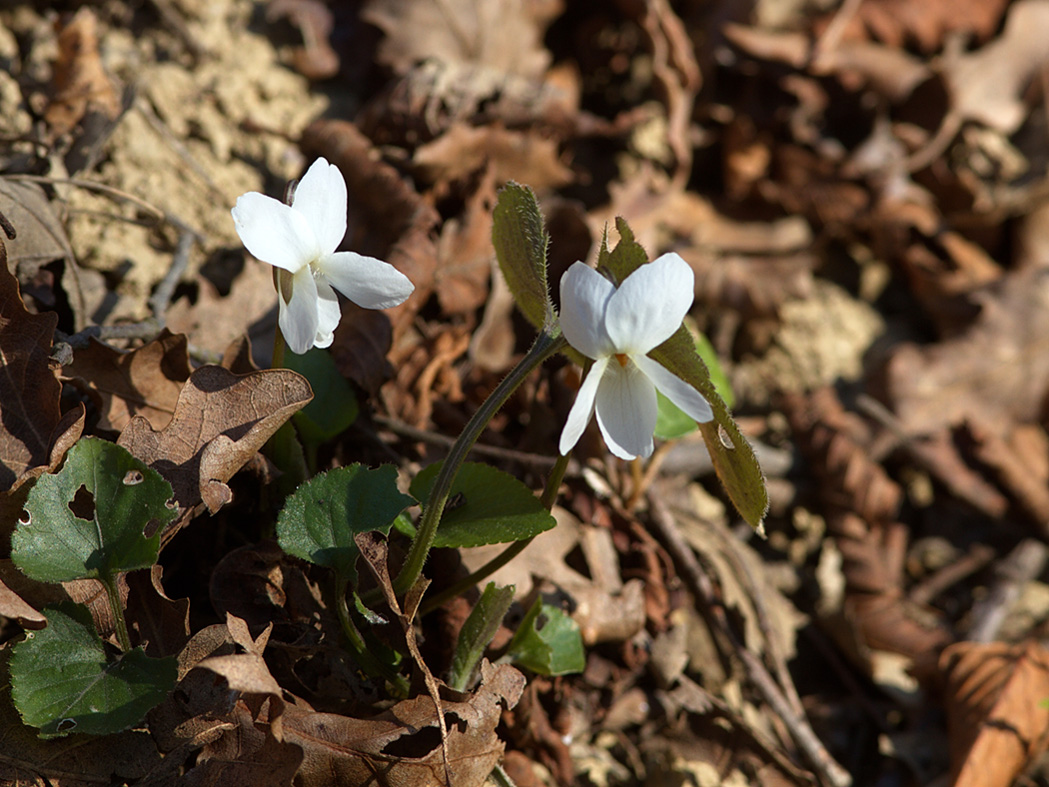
{"x": 545, "y": 346}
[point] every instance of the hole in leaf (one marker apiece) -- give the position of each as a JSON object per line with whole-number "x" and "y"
{"x": 83, "y": 504}
{"x": 25, "y": 518}
{"x": 133, "y": 477}
{"x": 418, "y": 745}
{"x": 171, "y": 504}
{"x": 66, "y": 725}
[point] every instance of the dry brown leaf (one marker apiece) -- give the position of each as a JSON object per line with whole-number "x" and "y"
{"x": 248, "y": 674}
{"x": 214, "y": 321}
{"x": 465, "y": 254}
{"x": 402, "y": 744}
{"x": 145, "y": 381}
{"x": 997, "y": 371}
{"x": 997, "y": 716}
{"x": 15, "y": 607}
{"x": 988, "y": 85}
{"x": 220, "y": 421}
{"x": 900, "y": 22}
{"x": 80, "y": 82}
{"x": 524, "y": 156}
{"x": 28, "y": 390}
{"x": 506, "y": 34}
{"x": 162, "y": 623}
{"x": 315, "y": 59}
{"x": 245, "y": 756}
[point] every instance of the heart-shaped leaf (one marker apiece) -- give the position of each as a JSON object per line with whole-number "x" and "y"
{"x": 318, "y": 522}
{"x": 63, "y": 682}
{"x": 88, "y": 520}
{"x": 485, "y": 506}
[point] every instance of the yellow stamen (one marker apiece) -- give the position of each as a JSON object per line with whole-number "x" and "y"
{"x": 623, "y": 359}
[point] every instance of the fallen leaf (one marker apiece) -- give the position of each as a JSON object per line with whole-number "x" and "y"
{"x": 523, "y": 156}
{"x": 899, "y": 22}
{"x": 401, "y": 743}
{"x": 505, "y": 34}
{"x": 220, "y": 421}
{"x": 315, "y": 59}
{"x": 80, "y": 83}
{"x": 145, "y": 381}
{"x": 997, "y": 717}
{"x": 997, "y": 370}
{"x": 29, "y": 392}
{"x": 465, "y": 254}
{"x": 162, "y": 623}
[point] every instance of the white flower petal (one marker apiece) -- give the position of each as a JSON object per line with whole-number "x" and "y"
{"x": 321, "y": 198}
{"x": 691, "y": 401}
{"x": 298, "y": 319}
{"x": 368, "y": 282}
{"x": 585, "y": 295}
{"x": 583, "y": 407}
{"x": 328, "y": 314}
{"x": 273, "y": 232}
{"x": 627, "y": 409}
{"x": 650, "y": 305}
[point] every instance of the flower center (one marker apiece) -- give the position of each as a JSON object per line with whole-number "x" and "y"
{"x": 623, "y": 359}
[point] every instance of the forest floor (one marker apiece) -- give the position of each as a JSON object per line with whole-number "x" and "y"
{"x": 861, "y": 191}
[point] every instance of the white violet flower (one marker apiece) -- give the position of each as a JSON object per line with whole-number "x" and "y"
{"x": 617, "y": 328}
{"x": 301, "y": 240}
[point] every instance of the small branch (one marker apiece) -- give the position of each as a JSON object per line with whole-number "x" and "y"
{"x": 703, "y": 591}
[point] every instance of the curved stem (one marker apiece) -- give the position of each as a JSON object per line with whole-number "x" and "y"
{"x": 545, "y": 346}
{"x": 113, "y": 596}
{"x": 549, "y": 497}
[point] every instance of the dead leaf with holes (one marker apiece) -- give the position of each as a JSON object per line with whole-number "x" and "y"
{"x": 221, "y": 419}
{"x": 402, "y": 743}
{"x": 997, "y": 717}
{"x": 145, "y": 381}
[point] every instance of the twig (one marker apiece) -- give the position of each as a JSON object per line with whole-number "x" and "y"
{"x": 1019, "y": 567}
{"x": 701, "y": 587}
{"x": 435, "y": 438}
{"x": 978, "y": 556}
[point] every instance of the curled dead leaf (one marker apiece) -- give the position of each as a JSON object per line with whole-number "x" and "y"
{"x": 221, "y": 419}
{"x": 997, "y": 714}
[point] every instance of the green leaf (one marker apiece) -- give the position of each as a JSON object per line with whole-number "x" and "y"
{"x": 334, "y": 406}
{"x": 673, "y": 422}
{"x": 477, "y": 632}
{"x": 520, "y": 239}
{"x": 318, "y": 522}
{"x": 548, "y": 642}
{"x": 88, "y": 520}
{"x": 485, "y": 506}
{"x": 63, "y": 682}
